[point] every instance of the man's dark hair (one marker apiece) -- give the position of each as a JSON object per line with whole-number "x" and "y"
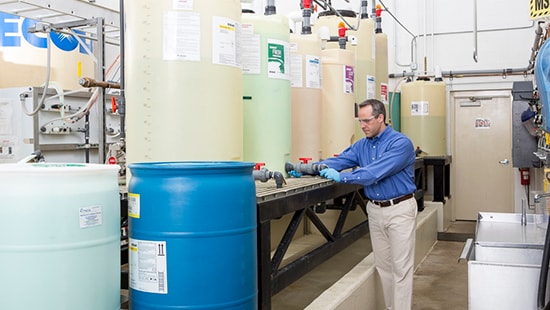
{"x": 377, "y": 107}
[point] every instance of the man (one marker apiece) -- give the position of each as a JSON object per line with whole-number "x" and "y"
{"x": 385, "y": 167}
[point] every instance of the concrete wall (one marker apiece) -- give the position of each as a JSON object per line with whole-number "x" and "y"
{"x": 360, "y": 288}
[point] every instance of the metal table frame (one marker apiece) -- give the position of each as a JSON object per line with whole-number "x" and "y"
{"x": 302, "y": 200}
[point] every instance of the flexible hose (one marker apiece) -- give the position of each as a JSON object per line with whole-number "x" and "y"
{"x": 541, "y": 294}
{"x": 46, "y": 83}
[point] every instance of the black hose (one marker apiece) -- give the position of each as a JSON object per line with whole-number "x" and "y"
{"x": 541, "y": 294}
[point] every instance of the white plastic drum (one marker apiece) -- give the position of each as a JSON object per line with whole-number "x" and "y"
{"x": 184, "y": 80}
{"x": 59, "y": 236}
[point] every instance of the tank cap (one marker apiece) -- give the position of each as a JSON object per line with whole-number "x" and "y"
{"x": 423, "y": 78}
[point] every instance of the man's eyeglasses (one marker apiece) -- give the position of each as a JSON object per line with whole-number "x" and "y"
{"x": 366, "y": 120}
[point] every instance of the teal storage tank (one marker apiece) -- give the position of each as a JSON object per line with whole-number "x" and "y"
{"x": 192, "y": 230}
{"x": 59, "y": 236}
{"x": 394, "y": 113}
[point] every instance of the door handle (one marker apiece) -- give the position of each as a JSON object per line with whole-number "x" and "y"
{"x": 504, "y": 161}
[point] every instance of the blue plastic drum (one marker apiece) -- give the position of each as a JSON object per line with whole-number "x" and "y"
{"x": 192, "y": 229}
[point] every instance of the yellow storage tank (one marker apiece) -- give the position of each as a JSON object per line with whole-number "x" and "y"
{"x": 183, "y": 80}
{"x": 423, "y": 115}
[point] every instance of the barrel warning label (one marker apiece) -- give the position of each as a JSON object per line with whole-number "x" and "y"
{"x": 148, "y": 266}
{"x": 133, "y": 205}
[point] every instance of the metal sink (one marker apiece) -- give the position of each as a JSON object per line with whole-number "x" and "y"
{"x": 504, "y": 261}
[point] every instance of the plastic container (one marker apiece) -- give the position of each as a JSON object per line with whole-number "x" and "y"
{"x": 59, "y": 236}
{"x": 266, "y": 90}
{"x": 184, "y": 81}
{"x": 423, "y": 115}
{"x": 192, "y": 230}
{"x": 305, "y": 51}
{"x": 338, "y": 99}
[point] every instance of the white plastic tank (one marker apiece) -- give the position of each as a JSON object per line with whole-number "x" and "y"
{"x": 338, "y": 101}
{"x": 423, "y": 115}
{"x": 266, "y": 90}
{"x": 305, "y": 51}
{"x": 183, "y": 80}
{"x": 59, "y": 236}
{"x": 364, "y": 47}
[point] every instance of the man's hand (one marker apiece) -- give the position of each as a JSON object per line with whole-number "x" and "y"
{"x": 330, "y": 174}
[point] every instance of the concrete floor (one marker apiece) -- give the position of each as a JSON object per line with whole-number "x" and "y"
{"x": 440, "y": 281}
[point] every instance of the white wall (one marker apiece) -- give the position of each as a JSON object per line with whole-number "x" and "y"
{"x": 444, "y": 31}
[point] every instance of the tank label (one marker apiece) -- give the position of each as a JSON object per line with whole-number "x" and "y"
{"x": 224, "y": 41}
{"x": 90, "y": 216}
{"x": 419, "y": 108}
{"x": 278, "y": 64}
{"x": 181, "y": 36}
{"x": 384, "y": 93}
{"x": 349, "y": 78}
{"x": 182, "y": 4}
{"x": 371, "y": 87}
{"x": 148, "y": 266}
{"x": 296, "y": 71}
{"x": 133, "y": 205}
{"x": 313, "y": 71}
{"x": 250, "y": 50}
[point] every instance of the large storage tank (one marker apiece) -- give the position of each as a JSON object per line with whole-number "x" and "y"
{"x": 192, "y": 230}
{"x": 305, "y": 51}
{"x": 338, "y": 101}
{"x": 266, "y": 90}
{"x": 423, "y": 115}
{"x": 59, "y": 236}
{"x": 183, "y": 80}
{"x": 381, "y": 55}
{"x": 365, "y": 79}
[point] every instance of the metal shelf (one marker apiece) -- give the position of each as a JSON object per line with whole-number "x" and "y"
{"x": 69, "y": 11}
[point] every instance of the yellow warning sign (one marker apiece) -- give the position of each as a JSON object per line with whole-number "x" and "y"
{"x": 539, "y": 8}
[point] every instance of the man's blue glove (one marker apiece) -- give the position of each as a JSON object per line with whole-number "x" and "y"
{"x": 294, "y": 173}
{"x": 330, "y": 174}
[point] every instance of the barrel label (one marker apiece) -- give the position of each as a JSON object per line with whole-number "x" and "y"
{"x": 133, "y": 205}
{"x": 90, "y": 216}
{"x": 148, "y": 266}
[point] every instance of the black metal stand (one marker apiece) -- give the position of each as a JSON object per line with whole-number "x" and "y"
{"x": 301, "y": 200}
{"x": 442, "y": 172}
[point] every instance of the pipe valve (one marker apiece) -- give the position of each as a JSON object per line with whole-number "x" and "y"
{"x": 305, "y": 168}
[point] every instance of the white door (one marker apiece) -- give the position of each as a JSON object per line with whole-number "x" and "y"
{"x": 482, "y": 173}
